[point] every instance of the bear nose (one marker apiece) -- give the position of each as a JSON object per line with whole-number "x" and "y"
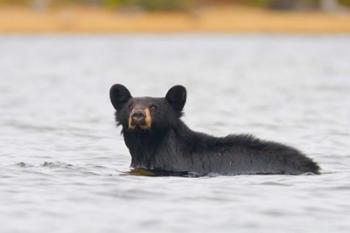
{"x": 138, "y": 116}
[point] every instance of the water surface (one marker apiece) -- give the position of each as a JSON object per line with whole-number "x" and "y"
{"x": 63, "y": 159}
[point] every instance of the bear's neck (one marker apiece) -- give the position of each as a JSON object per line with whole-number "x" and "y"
{"x": 159, "y": 149}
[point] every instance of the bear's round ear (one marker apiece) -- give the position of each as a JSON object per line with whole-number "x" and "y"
{"x": 176, "y": 97}
{"x": 119, "y": 95}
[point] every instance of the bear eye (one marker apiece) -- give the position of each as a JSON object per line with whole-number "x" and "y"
{"x": 130, "y": 106}
{"x": 153, "y": 107}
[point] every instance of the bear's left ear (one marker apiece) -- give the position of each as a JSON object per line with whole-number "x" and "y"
{"x": 176, "y": 97}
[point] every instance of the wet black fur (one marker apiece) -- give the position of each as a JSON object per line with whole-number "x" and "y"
{"x": 170, "y": 147}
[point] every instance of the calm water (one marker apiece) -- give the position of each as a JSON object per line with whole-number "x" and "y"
{"x": 62, "y": 159}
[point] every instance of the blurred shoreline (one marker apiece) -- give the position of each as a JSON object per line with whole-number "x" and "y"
{"x": 224, "y": 19}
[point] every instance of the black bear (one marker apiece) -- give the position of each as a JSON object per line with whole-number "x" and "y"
{"x": 159, "y": 141}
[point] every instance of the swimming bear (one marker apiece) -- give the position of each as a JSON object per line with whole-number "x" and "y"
{"x": 159, "y": 141}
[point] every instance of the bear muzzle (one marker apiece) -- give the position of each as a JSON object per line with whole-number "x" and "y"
{"x": 140, "y": 118}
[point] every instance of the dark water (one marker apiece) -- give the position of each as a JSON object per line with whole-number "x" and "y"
{"x": 62, "y": 159}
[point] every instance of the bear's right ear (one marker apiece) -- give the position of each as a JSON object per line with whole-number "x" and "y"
{"x": 176, "y": 97}
{"x": 119, "y": 96}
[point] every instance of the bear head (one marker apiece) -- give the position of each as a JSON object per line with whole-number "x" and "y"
{"x": 147, "y": 113}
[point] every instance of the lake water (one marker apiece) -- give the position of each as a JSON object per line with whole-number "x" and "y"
{"x": 63, "y": 161}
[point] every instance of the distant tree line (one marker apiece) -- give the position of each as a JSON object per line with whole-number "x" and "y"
{"x": 185, "y": 4}
{"x": 301, "y": 4}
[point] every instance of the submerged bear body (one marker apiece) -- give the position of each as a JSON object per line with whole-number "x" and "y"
{"x": 159, "y": 141}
